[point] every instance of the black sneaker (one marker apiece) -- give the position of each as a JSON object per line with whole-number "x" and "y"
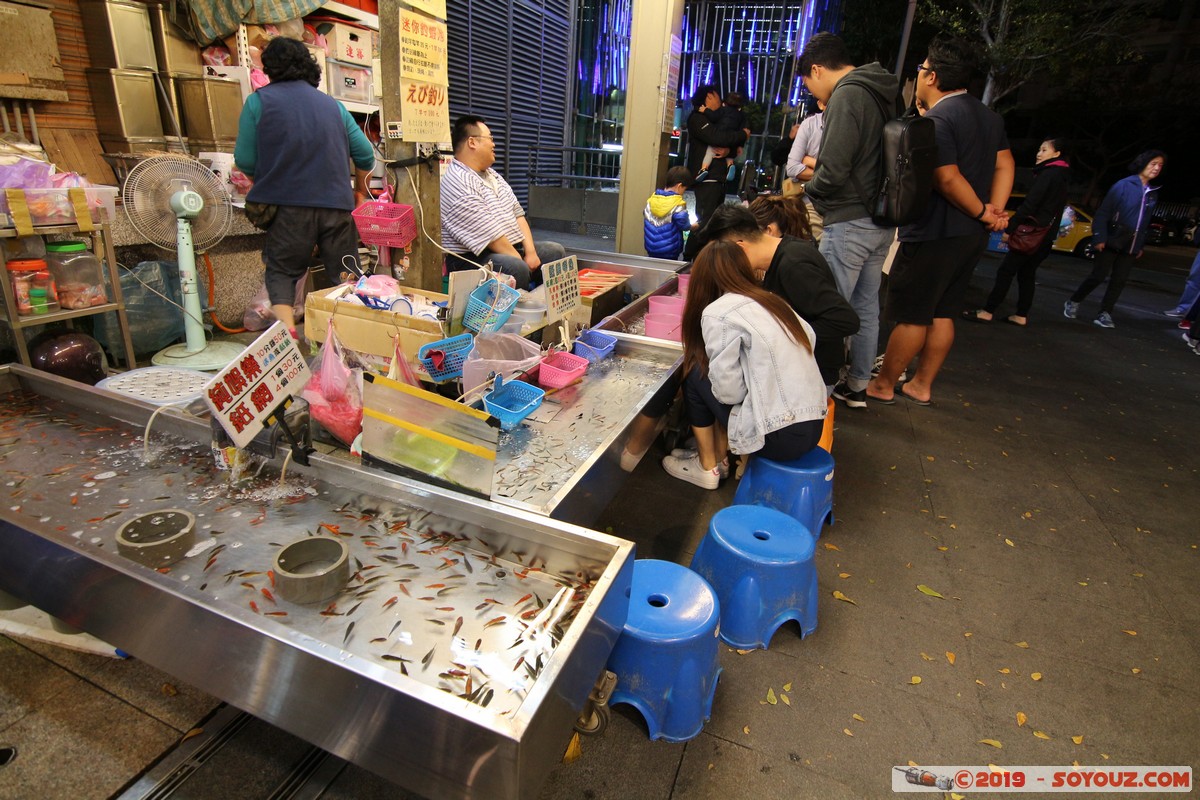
{"x": 851, "y": 398}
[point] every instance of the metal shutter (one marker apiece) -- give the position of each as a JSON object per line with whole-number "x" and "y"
{"x": 509, "y": 64}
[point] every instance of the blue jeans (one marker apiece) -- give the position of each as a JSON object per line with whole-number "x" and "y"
{"x": 511, "y": 265}
{"x": 856, "y": 251}
{"x": 1191, "y": 289}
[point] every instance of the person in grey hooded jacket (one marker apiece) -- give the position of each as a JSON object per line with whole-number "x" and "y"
{"x": 859, "y": 100}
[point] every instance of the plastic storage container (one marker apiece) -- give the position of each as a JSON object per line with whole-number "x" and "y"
{"x": 33, "y": 287}
{"x": 349, "y": 82}
{"x": 77, "y": 275}
{"x": 54, "y": 206}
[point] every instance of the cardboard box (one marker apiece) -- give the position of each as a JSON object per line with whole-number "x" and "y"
{"x": 370, "y": 331}
{"x": 350, "y": 44}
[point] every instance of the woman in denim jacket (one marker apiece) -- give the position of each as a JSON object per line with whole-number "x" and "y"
{"x": 749, "y": 365}
{"x": 1119, "y": 232}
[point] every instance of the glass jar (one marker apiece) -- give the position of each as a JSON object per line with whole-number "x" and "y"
{"x": 77, "y": 273}
{"x": 33, "y": 287}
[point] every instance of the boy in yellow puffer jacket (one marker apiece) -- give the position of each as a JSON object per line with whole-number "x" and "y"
{"x": 667, "y": 215}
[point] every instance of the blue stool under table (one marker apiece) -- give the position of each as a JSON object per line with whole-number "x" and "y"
{"x": 666, "y": 657}
{"x": 802, "y": 488}
{"x": 760, "y": 563}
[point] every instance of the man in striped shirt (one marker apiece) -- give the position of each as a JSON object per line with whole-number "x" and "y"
{"x": 481, "y": 218}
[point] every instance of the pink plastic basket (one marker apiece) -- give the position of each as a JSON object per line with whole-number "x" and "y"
{"x": 385, "y": 224}
{"x": 558, "y": 369}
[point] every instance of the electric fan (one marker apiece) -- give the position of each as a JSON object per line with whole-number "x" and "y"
{"x": 178, "y": 204}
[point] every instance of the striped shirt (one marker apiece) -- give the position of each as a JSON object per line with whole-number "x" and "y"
{"x": 477, "y": 209}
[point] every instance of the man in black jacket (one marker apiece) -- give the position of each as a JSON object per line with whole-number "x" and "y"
{"x": 702, "y": 134}
{"x": 859, "y": 100}
{"x": 793, "y": 269}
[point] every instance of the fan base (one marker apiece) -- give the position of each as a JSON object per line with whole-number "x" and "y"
{"x": 215, "y": 356}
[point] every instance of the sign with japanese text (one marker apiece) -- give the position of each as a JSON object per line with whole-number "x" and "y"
{"x": 256, "y": 383}
{"x": 423, "y": 49}
{"x": 425, "y": 111}
{"x": 562, "y": 287}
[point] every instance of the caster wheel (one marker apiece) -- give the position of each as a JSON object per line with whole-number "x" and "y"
{"x": 594, "y": 723}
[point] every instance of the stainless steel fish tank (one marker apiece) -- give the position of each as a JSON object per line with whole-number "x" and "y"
{"x": 453, "y": 660}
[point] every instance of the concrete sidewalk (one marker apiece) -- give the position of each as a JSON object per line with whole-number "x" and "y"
{"x": 1049, "y": 495}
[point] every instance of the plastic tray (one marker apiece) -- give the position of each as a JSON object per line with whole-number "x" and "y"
{"x": 559, "y": 369}
{"x": 454, "y": 352}
{"x": 594, "y": 345}
{"x": 489, "y": 307}
{"x": 512, "y": 402}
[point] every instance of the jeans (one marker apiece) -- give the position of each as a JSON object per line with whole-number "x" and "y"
{"x": 856, "y": 251}
{"x": 1191, "y": 289}
{"x": 1120, "y": 265}
{"x": 511, "y": 265}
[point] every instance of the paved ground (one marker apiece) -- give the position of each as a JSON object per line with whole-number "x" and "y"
{"x": 1049, "y": 495}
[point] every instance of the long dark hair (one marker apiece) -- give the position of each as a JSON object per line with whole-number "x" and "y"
{"x": 722, "y": 268}
{"x": 789, "y": 213}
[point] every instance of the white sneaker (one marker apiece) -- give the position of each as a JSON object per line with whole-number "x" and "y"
{"x": 629, "y": 461}
{"x": 689, "y": 469}
{"x": 688, "y": 453}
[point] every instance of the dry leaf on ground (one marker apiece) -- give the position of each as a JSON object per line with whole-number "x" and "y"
{"x": 1077, "y": 739}
{"x": 1041, "y": 735}
{"x": 950, "y": 657}
{"x": 923, "y": 589}
{"x": 914, "y": 680}
{"x": 991, "y": 742}
{"x": 839, "y": 596}
{"x": 1021, "y": 718}
{"x": 1037, "y": 676}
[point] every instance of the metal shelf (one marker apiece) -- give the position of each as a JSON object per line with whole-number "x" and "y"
{"x": 359, "y": 108}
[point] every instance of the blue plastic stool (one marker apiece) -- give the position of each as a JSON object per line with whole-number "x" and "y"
{"x": 666, "y": 657}
{"x": 760, "y": 563}
{"x": 803, "y": 488}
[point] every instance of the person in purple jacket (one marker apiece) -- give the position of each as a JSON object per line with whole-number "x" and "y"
{"x": 1119, "y": 230}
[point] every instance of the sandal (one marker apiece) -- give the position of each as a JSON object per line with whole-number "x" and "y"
{"x": 973, "y": 316}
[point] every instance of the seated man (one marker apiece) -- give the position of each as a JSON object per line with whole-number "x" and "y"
{"x": 481, "y": 218}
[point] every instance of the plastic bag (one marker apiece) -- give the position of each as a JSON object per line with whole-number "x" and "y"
{"x": 154, "y": 322}
{"x": 258, "y": 315}
{"x": 505, "y": 354}
{"x": 400, "y": 370}
{"x": 334, "y": 392}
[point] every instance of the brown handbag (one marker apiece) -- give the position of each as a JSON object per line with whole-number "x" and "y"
{"x": 1026, "y": 239}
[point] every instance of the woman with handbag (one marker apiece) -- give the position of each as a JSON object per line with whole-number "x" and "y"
{"x": 1120, "y": 229}
{"x": 1031, "y": 235}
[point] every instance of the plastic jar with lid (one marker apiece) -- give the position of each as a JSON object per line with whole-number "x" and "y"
{"x": 33, "y": 287}
{"x": 78, "y": 274}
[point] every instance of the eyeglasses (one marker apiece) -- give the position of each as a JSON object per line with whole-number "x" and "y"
{"x": 921, "y": 67}
{"x": 482, "y": 136}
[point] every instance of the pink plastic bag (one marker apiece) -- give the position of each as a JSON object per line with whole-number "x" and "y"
{"x": 334, "y": 392}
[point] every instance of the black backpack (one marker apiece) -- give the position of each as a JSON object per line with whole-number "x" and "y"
{"x": 907, "y": 162}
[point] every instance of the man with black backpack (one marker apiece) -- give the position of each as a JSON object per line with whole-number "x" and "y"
{"x": 938, "y": 253}
{"x": 859, "y": 101}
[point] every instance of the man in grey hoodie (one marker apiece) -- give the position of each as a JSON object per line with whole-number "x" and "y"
{"x": 859, "y": 100}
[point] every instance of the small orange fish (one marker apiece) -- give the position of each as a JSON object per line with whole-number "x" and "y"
{"x": 495, "y": 621}
{"x": 523, "y": 599}
{"x": 254, "y": 607}
{"x": 391, "y": 601}
{"x": 267, "y": 594}
{"x": 271, "y": 575}
{"x": 275, "y": 614}
{"x": 435, "y": 586}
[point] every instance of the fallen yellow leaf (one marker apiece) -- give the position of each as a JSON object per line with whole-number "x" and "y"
{"x": 968, "y": 634}
{"x": 953, "y": 527}
{"x": 847, "y": 731}
{"x": 743, "y": 652}
{"x": 191, "y": 733}
{"x": 923, "y": 589}
{"x": 1040, "y": 735}
{"x": 991, "y": 742}
{"x": 1004, "y": 670}
{"x": 943, "y": 548}
{"x": 1037, "y": 676}
{"x": 839, "y": 596}
{"x": 926, "y": 657}
{"x": 981, "y": 683}
{"x": 915, "y": 679}
{"x": 1021, "y": 718}
{"x": 912, "y": 763}
{"x": 1022, "y": 644}
{"x": 771, "y": 697}
{"x": 929, "y": 458}
{"x": 950, "y": 657}
{"x": 1136, "y": 670}
{"x": 1077, "y": 739}
{"x": 1082, "y": 583}
{"x": 169, "y": 690}
{"x": 956, "y": 796}
{"x": 1131, "y": 633}
{"x": 859, "y": 717}
{"x": 843, "y": 574}
{"x": 787, "y": 687}
{"x": 831, "y": 546}
{"x": 746, "y": 730}
{"x": 574, "y": 751}
{"x": 785, "y": 699}
{"x": 1009, "y": 542}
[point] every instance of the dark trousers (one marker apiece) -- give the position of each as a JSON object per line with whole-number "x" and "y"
{"x": 1190, "y": 316}
{"x": 1023, "y": 268}
{"x": 785, "y": 444}
{"x": 1119, "y": 265}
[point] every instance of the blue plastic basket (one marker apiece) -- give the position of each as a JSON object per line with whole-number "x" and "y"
{"x": 489, "y": 307}
{"x": 454, "y": 353}
{"x": 594, "y": 345}
{"x": 512, "y": 402}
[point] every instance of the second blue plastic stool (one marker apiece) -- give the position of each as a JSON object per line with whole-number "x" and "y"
{"x": 666, "y": 657}
{"x": 802, "y": 488}
{"x": 760, "y": 563}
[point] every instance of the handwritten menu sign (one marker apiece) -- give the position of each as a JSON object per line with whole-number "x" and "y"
{"x": 424, "y": 78}
{"x": 562, "y": 287}
{"x": 255, "y": 383}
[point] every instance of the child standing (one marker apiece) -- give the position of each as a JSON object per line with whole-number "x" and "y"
{"x": 667, "y": 215}
{"x": 729, "y": 117}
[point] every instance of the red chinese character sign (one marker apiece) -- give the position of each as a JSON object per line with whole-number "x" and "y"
{"x": 424, "y": 79}
{"x": 268, "y": 372}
